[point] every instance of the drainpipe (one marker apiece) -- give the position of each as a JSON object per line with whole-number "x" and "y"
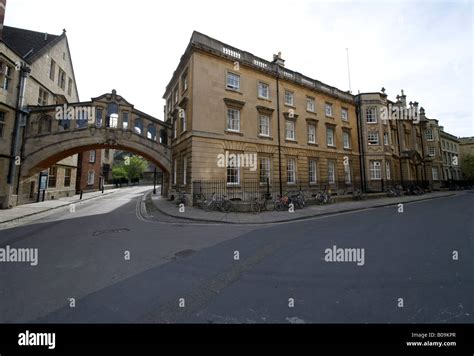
{"x": 361, "y": 146}
{"x": 278, "y": 125}
{"x": 12, "y": 170}
{"x": 400, "y": 153}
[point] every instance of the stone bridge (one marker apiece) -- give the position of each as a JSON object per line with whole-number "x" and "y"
{"x": 57, "y": 131}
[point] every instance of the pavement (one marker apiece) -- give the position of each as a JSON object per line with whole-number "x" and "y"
{"x": 20, "y": 212}
{"x": 171, "y": 209}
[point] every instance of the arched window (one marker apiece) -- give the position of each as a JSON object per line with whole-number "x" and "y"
{"x": 138, "y": 126}
{"x": 163, "y": 137}
{"x": 64, "y": 124}
{"x": 151, "y": 132}
{"x": 82, "y": 117}
{"x": 98, "y": 117}
{"x": 44, "y": 125}
{"x": 112, "y": 115}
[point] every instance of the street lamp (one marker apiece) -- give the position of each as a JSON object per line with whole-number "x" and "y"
{"x": 154, "y": 180}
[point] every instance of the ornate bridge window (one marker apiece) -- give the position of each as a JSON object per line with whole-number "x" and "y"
{"x": 82, "y": 118}
{"x": 64, "y": 124}
{"x": 98, "y": 117}
{"x": 163, "y": 137}
{"x": 125, "y": 120}
{"x": 138, "y": 126}
{"x": 151, "y": 132}
{"x": 113, "y": 121}
{"x": 44, "y": 124}
{"x": 112, "y": 115}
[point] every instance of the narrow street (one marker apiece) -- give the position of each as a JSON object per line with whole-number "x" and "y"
{"x": 181, "y": 271}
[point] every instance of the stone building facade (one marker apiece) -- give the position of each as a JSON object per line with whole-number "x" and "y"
{"x": 39, "y": 67}
{"x": 223, "y": 101}
{"x": 394, "y": 142}
{"x": 450, "y": 153}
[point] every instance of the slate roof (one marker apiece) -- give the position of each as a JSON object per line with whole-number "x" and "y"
{"x": 28, "y": 44}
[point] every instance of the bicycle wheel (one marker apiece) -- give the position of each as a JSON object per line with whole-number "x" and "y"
{"x": 255, "y": 207}
{"x": 226, "y": 206}
{"x": 279, "y": 206}
{"x": 208, "y": 206}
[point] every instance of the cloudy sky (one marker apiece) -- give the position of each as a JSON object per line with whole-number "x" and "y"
{"x": 425, "y": 48}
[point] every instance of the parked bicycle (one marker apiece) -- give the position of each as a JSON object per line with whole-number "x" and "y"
{"x": 322, "y": 197}
{"x": 181, "y": 199}
{"x": 359, "y": 195}
{"x": 282, "y": 203}
{"x": 298, "y": 200}
{"x": 393, "y": 191}
{"x": 415, "y": 190}
{"x": 223, "y": 204}
{"x": 260, "y": 204}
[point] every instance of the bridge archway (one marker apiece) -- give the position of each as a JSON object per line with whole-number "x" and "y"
{"x": 43, "y": 148}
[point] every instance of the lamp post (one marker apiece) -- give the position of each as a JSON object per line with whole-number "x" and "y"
{"x": 154, "y": 180}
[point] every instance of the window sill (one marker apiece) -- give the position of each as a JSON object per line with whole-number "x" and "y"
{"x": 264, "y": 137}
{"x": 372, "y": 123}
{"x": 312, "y": 112}
{"x": 313, "y": 144}
{"x": 332, "y": 146}
{"x": 230, "y": 132}
{"x": 234, "y": 90}
{"x": 263, "y": 98}
{"x": 290, "y": 106}
{"x": 291, "y": 141}
{"x": 330, "y": 117}
{"x": 348, "y": 148}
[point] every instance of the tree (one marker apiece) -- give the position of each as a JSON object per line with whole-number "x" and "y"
{"x": 134, "y": 167}
{"x": 467, "y": 167}
{"x": 119, "y": 175}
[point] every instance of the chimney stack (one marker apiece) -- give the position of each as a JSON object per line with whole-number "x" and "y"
{"x": 278, "y": 60}
{"x": 3, "y": 4}
{"x": 403, "y": 99}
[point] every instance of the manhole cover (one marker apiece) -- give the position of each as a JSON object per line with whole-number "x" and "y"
{"x": 108, "y": 232}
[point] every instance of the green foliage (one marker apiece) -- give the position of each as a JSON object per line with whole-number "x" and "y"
{"x": 131, "y": 169}
{"x": 135, "y": 167}
{"x": 119, "y": 173}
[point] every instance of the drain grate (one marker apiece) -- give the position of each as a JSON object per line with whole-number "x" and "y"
{"x": 108, "y": 232}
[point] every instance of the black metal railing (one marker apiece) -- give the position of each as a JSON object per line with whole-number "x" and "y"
{"x": 249, "y": 190}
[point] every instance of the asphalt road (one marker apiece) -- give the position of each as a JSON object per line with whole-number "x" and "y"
{"x": 184, "y": 272}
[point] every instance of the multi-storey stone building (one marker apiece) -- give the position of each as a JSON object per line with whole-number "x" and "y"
{"x": 450, "y": 154}
{"x": 35, "y": 69}
{"x": 466, "y": 146}
{"x": 223, "y": 101}
{"x": 399, "y": 143}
